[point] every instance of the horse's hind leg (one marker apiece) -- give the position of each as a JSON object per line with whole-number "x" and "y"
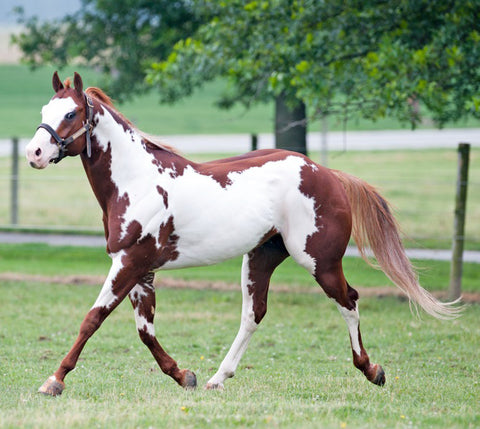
{"x": 257, "y": 268}
{"x": 142, "y": 297}
{"x": 336, "y": 287}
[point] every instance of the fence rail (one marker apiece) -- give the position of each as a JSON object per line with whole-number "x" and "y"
{"x": 420, "y": 186}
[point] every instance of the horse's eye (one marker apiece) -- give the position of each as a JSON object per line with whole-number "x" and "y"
{"x": 70, "y": 115}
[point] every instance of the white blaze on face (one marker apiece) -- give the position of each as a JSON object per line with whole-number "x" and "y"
{"x": 40, "y": 151}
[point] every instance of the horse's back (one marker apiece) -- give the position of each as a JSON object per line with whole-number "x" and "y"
{"x": 235, "y": 202}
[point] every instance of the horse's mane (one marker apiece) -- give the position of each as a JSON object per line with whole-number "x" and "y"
{"x": 99, "y": 95}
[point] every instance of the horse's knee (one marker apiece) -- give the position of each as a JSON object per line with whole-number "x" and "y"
{"x": 92, "y": 322}
{"x": 352, "y": 294}
{"x": 259, "y": 311}
{"x": 147, "y": 338}
{"x": 249, "y": 321}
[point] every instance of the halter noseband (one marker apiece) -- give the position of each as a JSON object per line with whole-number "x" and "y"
{"x": 63, "y": 143}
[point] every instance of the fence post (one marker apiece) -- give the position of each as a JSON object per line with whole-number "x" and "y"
{"x": 253, "y": 142}
{"x": 459, "y": 221}
{"x": 14, "y": 183}
{"x": 324, "y": 142}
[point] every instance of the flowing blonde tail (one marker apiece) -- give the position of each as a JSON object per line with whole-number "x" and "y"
{"x": 375, "y": 227}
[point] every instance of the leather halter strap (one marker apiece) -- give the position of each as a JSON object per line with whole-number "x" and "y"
{"x": 86, "y": 128}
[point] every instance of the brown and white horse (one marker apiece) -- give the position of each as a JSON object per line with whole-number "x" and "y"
{"x": 161, "y": 211}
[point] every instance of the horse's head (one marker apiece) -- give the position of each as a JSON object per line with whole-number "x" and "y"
{"x": 66, "y": 125}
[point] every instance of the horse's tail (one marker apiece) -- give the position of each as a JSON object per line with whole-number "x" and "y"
{"x": 375, "y": 227}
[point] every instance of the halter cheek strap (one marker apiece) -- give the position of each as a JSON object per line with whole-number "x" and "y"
{"x": 63, "y": 143}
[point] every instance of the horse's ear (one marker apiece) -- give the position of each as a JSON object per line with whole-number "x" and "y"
{"x": 77, "y": 81}
{"x": 56, "y": 82}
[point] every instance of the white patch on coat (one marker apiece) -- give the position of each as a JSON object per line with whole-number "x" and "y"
{"x": 136, "y": 294}
{"x": 213, "y": 223}
{"x": 134, "y": 175}
{"x": 106, "y": 297}
{"x": 143, "y": 324}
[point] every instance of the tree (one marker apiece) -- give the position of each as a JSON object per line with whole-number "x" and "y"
{"x": 371, "y": 58}
{"x": 118, "y": 37}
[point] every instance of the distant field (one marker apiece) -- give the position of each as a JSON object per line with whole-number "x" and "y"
{"x": 419, "y": 184}
{"x": 24, "y": 92}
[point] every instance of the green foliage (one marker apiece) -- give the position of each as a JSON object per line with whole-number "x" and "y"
{"x": 370, "y": 58}
{"x": 116, "y": 37}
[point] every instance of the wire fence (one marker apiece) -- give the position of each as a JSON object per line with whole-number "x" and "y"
{"x": 420, "y": 185}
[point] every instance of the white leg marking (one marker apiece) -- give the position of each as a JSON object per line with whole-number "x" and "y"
{"x": 247, "y": 328}
{"x": 106, "y": 296}
{"x": 141, "y": 322}
{"x": 352, "y": 318}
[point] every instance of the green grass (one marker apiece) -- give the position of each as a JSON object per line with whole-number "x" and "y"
{"x": 419, "y": 184}
{"x": 42, "y": 259}
{"x": 297, "y": 371}
{"x": 24, "y": 92}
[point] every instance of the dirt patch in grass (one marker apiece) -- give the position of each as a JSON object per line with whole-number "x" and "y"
{"x": 175, "y": 283}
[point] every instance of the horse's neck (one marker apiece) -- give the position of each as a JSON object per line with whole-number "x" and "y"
{"x": 120, "y": 161}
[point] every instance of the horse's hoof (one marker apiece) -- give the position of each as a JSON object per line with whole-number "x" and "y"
{"x": 214, "y": 386}
{"x": 379, "y": 376}
{"x": 189, "y": 380}
{"x": 52, "y": 387}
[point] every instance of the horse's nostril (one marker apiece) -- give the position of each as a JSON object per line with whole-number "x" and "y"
{"x": 38, "y": 152}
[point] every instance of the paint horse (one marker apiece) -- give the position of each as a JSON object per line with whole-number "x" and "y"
{"x": 162, "y": 211}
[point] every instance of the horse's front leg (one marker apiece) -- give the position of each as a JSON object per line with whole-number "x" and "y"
{"x": 120, "y": 280}
{"x": 142, "y": 297}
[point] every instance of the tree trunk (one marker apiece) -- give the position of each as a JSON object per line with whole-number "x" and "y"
{"x": 290, "y": 126}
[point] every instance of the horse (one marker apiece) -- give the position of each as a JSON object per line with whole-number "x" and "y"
{"x": 162, "y": 211}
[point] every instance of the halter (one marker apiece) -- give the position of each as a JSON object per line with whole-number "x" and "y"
{"x": 63, "y": 143}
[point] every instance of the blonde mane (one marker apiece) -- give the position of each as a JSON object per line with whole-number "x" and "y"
{"x": 99, "y": 95}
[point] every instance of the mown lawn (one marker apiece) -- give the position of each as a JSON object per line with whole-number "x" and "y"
{"x": 297, "y": 371}
{"x": 45, "y": 260}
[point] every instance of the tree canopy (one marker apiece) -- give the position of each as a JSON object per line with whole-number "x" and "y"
{"x": 374, "y": 58}
{"x": 121, "y": 38}
{"x": 371, "y": 58}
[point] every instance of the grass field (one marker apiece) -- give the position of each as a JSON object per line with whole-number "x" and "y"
{"x": 24, "y": 92}
{"x": 296, "y": 373}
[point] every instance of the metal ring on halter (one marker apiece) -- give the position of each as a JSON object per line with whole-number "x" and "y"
{"x": 63, "y": 143}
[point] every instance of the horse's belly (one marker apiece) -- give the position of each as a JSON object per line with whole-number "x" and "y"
{"x": 215, "y": 240}
{"x": 214, "y": 221}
